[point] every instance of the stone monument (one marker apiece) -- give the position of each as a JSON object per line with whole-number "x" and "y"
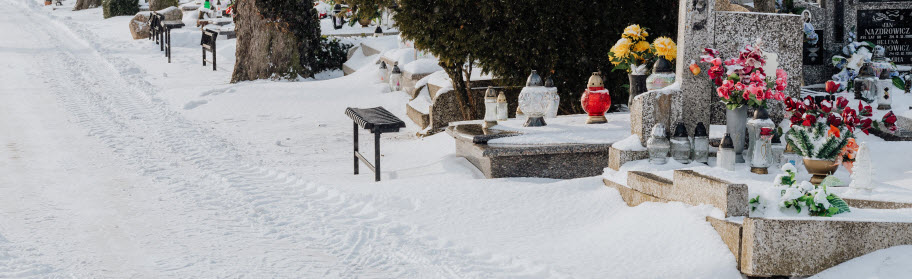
{"x": 701, "y": 24}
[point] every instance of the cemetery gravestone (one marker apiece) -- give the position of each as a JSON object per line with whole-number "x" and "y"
{"x": 890, "y": 28}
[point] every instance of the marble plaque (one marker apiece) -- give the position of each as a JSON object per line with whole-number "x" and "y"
{"x": 890, "y": 28}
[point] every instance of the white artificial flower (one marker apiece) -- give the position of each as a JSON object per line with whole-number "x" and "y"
{"x": 789, "y": 195}
{"x": 778, "y": 181}
{"x": 788, "y": 167}
{"x": 820, "y": 196}
{"x": 859, "y": 58}
{"x": 806, "y": 186}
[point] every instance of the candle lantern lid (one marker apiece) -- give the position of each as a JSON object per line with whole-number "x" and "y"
{"x": 549, "y": 82}
{"x": 382, "y": 65}
{"x": 880, "y": 54}
{"x": 534, "y": 79}
{"x": 867, "y": 70}
{"x": 680, "y": 130}
{"x": 761, "y": 113}
{"x": 662, "y": 65}
{"x": 727, "y": 142}
{"x": 396, "y": 69}
{"x": 596, "y": 81}
{"x": 490, "y": 94}
{"x": 501, "y": 98}
{"x": 378, "y": 30}
{"x": 658, "y": 131}
{"x": 700, "y": 130}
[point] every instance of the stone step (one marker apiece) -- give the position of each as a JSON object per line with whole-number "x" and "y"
{"x": 421, "y": 119}
{"x": 408, "y": 83}
{"x": 649, "y": 184}
{"x": 433, "y": 89}
{"x": 620, "y": 157}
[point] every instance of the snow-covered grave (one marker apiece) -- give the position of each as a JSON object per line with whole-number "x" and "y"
{"x": 566, "y": 148}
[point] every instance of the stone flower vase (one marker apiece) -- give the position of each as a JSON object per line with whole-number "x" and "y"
{"x": 736, "y": 127}
{"x": 820, "y": 169}
{"x": 637, "y": 86}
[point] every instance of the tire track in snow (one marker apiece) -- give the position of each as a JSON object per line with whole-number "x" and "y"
{"x": 252, "y": 204}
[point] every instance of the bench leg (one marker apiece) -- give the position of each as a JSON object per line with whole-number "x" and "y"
{"x": 213, "y": 53}
{"x": 377, "y": 156}
{"x": 204, "y": 56}
{"x": 356, "y": 148}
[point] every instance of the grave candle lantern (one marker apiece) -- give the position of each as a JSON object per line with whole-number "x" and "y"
{"x": 395, "y": 77}
{"x": 382, "y": 72}
{"x": 555, "y": 99}
{"x": 725, "y": 157}
{"x": 338, "y": 21}
{"x": 596, "y": 100}
{"x": 778, "y": 150}
{"x": 866, "y": 83}
{"x": 762, "y": 151}
{"x": 701, "y": 144}
{"x": 883, "y": 69}
{"x": 378, "y": 31}
{"x": 761, "y": 120}
{"x": 490, "y": 104}
{"x": 908, "y": 83}
{"x": 534, "y": 100}
{"x": 502, "y": 112}
{"x": 681, "y": 147}
{"x": 662, "y": 74}
{"x": 884, "y": 102}
{"x": 658, "y": 146}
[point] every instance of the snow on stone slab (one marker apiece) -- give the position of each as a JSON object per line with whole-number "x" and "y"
{"x": 401, "y": 56}
{"x": 422, "y": 102}
{"x": 631, "y": 143}
{"x": 566, "y": 129}
{"x": 422, "y": 66}
{"x": 893, "y": 262}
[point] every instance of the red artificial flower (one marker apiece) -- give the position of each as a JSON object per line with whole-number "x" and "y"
{"x": 832, "y": 87}
{"x": 809, "y": 120}
{"x": 790, "y": 104}
{"x": 889, "y": 121}
{"x": 795, "y": 119}
{"x": 755, "y": 91}
{"x": 864, "y": 110}
{"x": 834, "y": 120}
{"x": 842, "y": 103}
{"x": 766, "y": 131}
{"x": 809, "y": 103}
{"x": 866, "y": 125}
{"x": 825, "y": 106}
{"x": 708, "y": 55}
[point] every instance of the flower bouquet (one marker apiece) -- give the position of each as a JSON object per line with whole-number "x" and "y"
{"x": 742, "y": 80}
{"x": 632, "y": 52}
{"x": 823, "y": 133}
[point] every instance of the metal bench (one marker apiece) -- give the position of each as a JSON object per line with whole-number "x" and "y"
{"x": 377, "y": 120}
{"x": 208, "y": 43}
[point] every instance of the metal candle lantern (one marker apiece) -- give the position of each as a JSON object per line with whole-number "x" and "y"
{"x": 681, "y": 147}
{"x": 395, "y": 77}
{"x": 534, "y": 100}
{"x": 596, "y": 100}
{"x": 502, "y": 112}
{"x": 761, "y": 120}
{"x": 884, "y": 102}
{"x": 883, "y": 69}
{"x": 658, "y": 145}
{"x": 490, "y": 104}
{"x": 662, "y": 74}
{"x": 725, "y": 157}
{"x": 762, "y": 151}
{"x": 338, "y": 21}
{"x": 383, "y": 71}
{"x": 701, "y": 144}
{"x": 866, "y": 83}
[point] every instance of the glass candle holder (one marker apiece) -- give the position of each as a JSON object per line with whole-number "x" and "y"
{"x": 490, "y": 103}
{"x": 658, "y": 145}
{"x": 502, "y": 112}
{"x": 681, "y": 147}
{"x": 725, "y": 157}
{"x": 701, "y": 144}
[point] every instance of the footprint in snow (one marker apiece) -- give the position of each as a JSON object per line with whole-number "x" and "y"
{"x": 194, "y": 104}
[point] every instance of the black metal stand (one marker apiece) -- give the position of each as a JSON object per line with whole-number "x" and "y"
{"x": 208, "y": 43}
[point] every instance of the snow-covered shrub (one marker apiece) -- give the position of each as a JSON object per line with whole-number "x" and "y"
{"x": 332, "y": 54}
{"x": 119, "y": 7}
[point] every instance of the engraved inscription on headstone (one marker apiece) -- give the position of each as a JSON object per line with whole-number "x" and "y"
{"x": 891, "y": 28}
{"x": 813, "y": 54}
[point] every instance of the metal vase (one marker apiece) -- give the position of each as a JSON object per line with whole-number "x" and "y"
{"x": 637, "y": 86}
{"x": 736, "y": 127}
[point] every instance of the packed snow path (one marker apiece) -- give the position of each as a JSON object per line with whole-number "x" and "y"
{"x": 218, "y": 213}
{"x": 104, "y": 172}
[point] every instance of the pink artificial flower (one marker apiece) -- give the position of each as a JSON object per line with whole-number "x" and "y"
{"x": 757, "y": 76}
{"x": 755, "y": 91}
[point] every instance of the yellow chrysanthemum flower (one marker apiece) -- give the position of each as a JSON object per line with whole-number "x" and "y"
{"x": 641, "y": 46}
{"x": 666, "y": 47}
{"x": 621, "y": 49}
{"x": 634, "y": 32}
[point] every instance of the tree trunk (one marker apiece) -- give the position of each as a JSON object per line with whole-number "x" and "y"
{"x": 86, "y": 4}
{"x": 466, "y": 105}
{"x": 271, "y": 46}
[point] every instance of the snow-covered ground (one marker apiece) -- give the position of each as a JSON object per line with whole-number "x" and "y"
{"x": 114, "y": 163}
